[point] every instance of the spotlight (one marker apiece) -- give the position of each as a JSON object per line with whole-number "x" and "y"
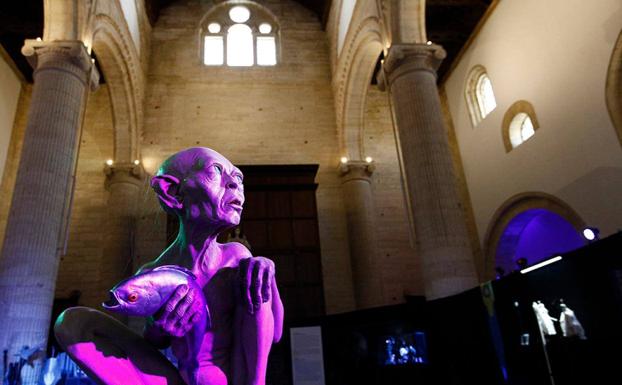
{"x": 344, "y": 160}
{"x": 429, "y": 42}
{"x": 137, "y": 162}
{"x": 368, "y": 159}
{"x": 109, "y": 162}
{"x": 591, "y": 233}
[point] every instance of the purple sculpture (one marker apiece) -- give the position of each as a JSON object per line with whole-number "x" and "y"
{"x": 227, "y": 344}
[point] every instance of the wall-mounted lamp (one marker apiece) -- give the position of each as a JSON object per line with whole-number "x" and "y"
{"x": 591, "y": 234}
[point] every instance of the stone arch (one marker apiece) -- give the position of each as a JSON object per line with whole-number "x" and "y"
{"x": 120, "y": 66}
{"x": 510, "y": 209}
{"x": 101, "y": 26}
{"x": 613, "y": 88}
{"x": 358, "y": 59}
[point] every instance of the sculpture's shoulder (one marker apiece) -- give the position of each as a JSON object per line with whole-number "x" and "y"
{"x": 234, "y": 252}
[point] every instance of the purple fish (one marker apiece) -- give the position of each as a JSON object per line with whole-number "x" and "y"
{"x": 145, "y": 293}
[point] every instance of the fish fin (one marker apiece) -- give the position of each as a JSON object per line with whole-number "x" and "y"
{"x": 176, "y": 268}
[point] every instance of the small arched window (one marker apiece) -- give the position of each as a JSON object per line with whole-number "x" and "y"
{"x": 519, "y": 124}
{"x": 479, "y": 95}
{"x": 240, "y": 34}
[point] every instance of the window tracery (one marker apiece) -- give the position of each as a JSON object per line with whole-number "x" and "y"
{"x": 240, "y": 34}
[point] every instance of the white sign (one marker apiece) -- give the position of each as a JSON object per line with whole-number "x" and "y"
{"x": 307, "y": 356}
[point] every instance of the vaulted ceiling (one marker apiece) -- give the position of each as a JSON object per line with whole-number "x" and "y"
{"x": 450, "y": 23}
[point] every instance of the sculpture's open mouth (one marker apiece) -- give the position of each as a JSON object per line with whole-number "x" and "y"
{"x": 112, "y": 302}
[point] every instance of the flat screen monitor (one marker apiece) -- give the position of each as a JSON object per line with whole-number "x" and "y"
{"x": 402, "y": 349}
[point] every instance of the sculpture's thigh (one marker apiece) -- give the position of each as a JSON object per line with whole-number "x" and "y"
{"x": 109, "y": 352}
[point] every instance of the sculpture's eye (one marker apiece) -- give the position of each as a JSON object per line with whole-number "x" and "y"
{"x": 218, "y": 168}
{"x": 132, "y": 297}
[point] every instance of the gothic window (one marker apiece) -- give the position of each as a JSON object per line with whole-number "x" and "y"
{"x": 519, "y": 124}
{"x": 240, "y": 34}
{"x": 479, "y": 95}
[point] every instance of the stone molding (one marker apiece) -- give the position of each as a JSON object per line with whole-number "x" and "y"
{"x": 356, "y": 170}
{"x": 124, "y": 173}
{"x": 403, "y": 59}
{"x": 70, "y": 56}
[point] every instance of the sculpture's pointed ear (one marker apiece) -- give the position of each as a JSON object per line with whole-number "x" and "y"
{"x": 167, "y": 189}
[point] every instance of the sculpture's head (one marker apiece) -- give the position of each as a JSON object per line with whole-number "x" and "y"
{"x": 201, "y": 186}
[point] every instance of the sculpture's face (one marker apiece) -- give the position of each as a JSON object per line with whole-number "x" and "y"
{"x": 213, "y": 191}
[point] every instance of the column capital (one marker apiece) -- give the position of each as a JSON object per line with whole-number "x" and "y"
{"x": 405, "y": 58}
{"x": 356, "y": 169}
{"x": 124, "y": 173}
{"x": 70, "y": 55}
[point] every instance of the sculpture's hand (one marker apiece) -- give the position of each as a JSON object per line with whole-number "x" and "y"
{"x": 256, "y": 276}
{"x": 180, "y": 312}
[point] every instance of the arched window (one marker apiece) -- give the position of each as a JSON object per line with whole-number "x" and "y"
{"x": 240, "y": 34}
{"x": 479, "y": 95}
{"x": 519, "y": 124}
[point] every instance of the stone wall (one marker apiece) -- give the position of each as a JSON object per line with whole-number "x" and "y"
{"x": 270, "y": 115}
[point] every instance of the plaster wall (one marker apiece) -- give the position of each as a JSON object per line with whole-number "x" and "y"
{"x": 271, "y": 115}
{"x": 553, "y": 54}
{"x": 10, "y": 87}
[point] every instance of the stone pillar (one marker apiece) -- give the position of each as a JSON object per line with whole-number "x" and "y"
{"x": 356, "y": 176}
{"x": 36, "y": 225}
{"x": 409, "y": 71}
{"x": 124, "y": 182}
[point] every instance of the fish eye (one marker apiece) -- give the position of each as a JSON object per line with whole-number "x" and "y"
{"x": 132, "y": 297}
{"x": 239, "y": 178}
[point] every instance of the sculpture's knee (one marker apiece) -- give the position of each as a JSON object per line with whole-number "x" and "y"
{"x": 70, "y": 325}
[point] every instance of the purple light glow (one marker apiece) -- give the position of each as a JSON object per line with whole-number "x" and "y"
{"x": 535, "y": 235}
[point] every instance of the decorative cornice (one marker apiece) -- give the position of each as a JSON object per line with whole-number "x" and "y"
{"x": 402, "y": 59}
{"x": 67, "y": 55}
{"x": 356, "y": 170}
{"x": 124, "y": 173}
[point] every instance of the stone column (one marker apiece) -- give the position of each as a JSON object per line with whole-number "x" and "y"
{"x": 124, "y": 182}
{"x": 409, "y": 71}
{"x": 39, "y": 213}
{"x": 356, "y": 176}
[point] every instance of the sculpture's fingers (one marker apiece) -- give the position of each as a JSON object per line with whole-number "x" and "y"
{"x": 246, "y": 287}
{"x": 183, "y": 305}
{"x": 266, "y": 287}
{"x": 168, "y": 316}
{"x": 258, "y": 272}
{"x": 188, "y": 319}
